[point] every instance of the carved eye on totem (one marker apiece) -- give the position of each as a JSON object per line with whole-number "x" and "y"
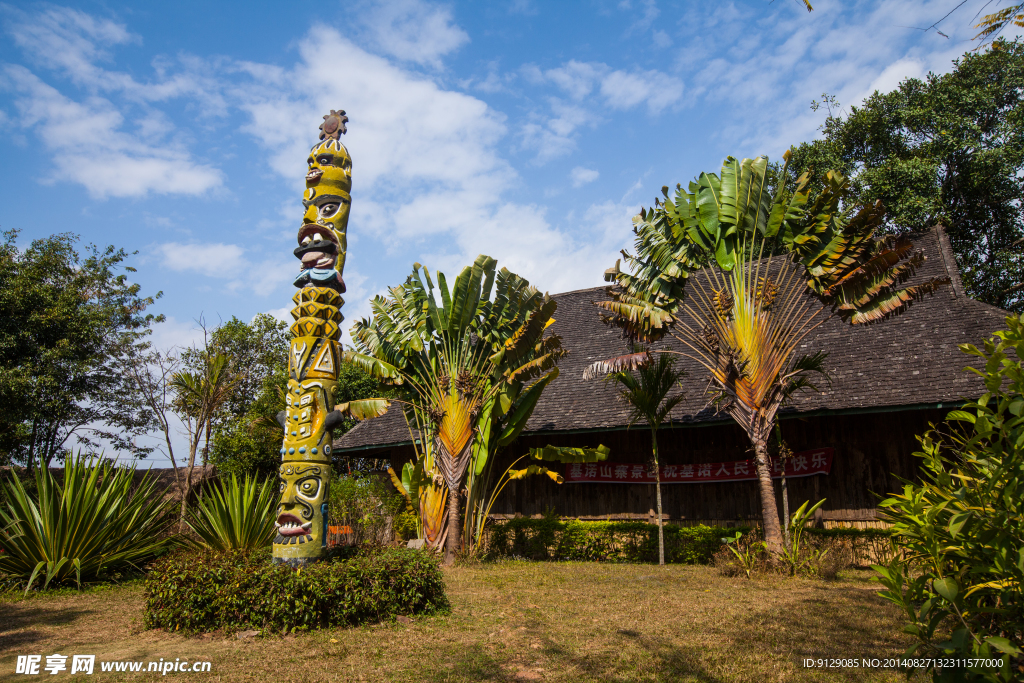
{"x": 309, "y": 487}
{"x": 324, "y": 159}
{"x": 329, "y": 209}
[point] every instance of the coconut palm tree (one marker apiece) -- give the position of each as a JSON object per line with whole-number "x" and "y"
{"x": 645, "y": 390}
{"x": 745, "y": 312}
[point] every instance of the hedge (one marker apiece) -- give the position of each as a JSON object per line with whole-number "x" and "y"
{"x": 553, "y": 539}
{"x": 197, "y": 592}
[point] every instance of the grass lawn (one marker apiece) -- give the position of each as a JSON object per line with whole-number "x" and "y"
{"x": 511, "y": 621}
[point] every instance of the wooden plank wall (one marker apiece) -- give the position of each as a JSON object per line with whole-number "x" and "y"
{"x": 869, "y": 450}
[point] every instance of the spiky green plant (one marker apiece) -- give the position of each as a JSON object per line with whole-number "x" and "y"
{"x": 233, "y": 516}
{"x": 93, "y": 524}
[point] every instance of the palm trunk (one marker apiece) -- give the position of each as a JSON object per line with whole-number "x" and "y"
{"x": 657, "y": 484}
{"x": 187, "y": 488}
{"x": 769, "y": 510}
{"x": 785, "y": 506}
{"x": 451, "y": 546}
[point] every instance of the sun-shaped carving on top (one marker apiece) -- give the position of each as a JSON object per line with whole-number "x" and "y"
{"x": 333, "y": 125}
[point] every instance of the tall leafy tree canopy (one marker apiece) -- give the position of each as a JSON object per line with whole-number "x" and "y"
{"x": 948, "y": 149}
{"x": 67, "y": 322}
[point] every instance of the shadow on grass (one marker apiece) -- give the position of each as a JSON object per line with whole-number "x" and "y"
{"x": 19, "y": 621}
{"x": 640, "y": 658}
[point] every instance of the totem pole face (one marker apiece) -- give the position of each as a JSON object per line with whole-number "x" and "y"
{"x": 315, "y": 353}
{"x": 303, "y": 509}
{"x": 327, "y": 200}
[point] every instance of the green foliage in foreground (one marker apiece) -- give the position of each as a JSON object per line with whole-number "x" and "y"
{"x": 94, "y": 524}
{"x": 236, "y": 516}
{"x": 553, "y": 539}
{"x": 203, "y": 591}
{"x": 962, "y": 527}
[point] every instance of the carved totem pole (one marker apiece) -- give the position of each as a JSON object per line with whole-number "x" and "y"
{"x": 315, "y": 353}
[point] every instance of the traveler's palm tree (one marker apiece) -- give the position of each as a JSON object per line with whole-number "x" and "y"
{"x": 466, "y": 362}
{"x": 745, "y": 315}
{"x": 645, "y": 390}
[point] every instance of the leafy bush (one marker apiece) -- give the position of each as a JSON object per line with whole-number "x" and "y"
{"x": 962, "y": 528}
{"x": 368, "y": 505}
{"x": 195, "y": 591}
{"x": 95, "y": 523}
{"x": 861, "y": 546}
{"x": 553, "y": 539}
{"x": 233, "y": 516}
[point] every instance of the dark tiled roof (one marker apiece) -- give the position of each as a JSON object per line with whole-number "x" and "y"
{"x": 909, "y": 360}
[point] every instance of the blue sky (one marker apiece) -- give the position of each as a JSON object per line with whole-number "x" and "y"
{"x": 528, "y": 131}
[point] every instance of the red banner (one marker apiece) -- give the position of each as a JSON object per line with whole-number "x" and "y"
{"x": 802, "y": 464}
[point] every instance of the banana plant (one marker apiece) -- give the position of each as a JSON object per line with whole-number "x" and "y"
{"x": 473, "y": 366}
{"x": 479, "y": 506}
{"x": 703, "y": 273}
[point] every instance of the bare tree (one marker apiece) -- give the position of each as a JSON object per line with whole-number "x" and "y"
{"x": 149, "y": 373}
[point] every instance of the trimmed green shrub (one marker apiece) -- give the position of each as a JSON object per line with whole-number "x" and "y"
{"x": 553, "y": 539}
{"x": 198, "y": 591}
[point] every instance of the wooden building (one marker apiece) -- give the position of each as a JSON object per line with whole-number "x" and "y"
{"x": 889, "y": 381}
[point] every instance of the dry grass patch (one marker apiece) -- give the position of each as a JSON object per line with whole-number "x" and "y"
{"x": 513, "y": 621}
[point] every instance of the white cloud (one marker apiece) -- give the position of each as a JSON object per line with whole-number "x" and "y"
{"x": 95, "y": 151}
{"x": 581, "y": 176}
{"x": 229, "y": 262}
{"x": 553, "y": 134}
{"x": 771, "y": 75}
{"x": 575, "y": 78}
{"x": 625, "y": 90}
{"x": 212, "y": 260}
{"x": 75, "y": 44}
{"x": 284, "y": 314}
{"x": 414, "y": 31}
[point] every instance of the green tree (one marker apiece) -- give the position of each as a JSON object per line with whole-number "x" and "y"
{"x": 68, "y": 321}
{"x": 948, "y": 149}
{"x": 960, "y": 577}
{"x": 257, "y": 354}
{"x": 700, "y": 275}
{"x": 646, "y": 394}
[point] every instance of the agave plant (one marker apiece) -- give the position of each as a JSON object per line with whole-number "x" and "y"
{"x": 745, "y": 315}
{"x": 96, "y": 522}
{"x": 235, "y": 516}
{"x": 474, "y": 366}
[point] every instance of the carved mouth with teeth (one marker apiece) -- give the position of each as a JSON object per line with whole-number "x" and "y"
{"x": 290, "y": 525}
{"x": 318, "y": 247}
{"x": 314, "y": 175}
{"x": 311, "y": 233}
